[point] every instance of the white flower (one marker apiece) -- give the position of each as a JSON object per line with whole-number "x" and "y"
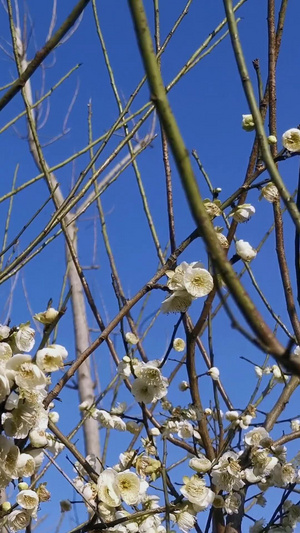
{"x": 149, "y": 384}
{"x": 25, "y": 465}
{"x": 183, "y": 386}
{"x": 232, "y": 503}
{"x": 201, "y": 464}
{"x": 27, "y": 499}
{"x": 226, "y": 474}
{"x": 270, "y": 193}
{"x": 154, "y": 432}
{"x": 242, "y": 213}
{"x": 255, "y": 436}
{"x": 132, "y": 426}
{"x": 184, "y": 517}
{"x": 131, "y": 338}
{"x": 175, "y": 281}
{"x": 12, "y": 401}
{"x": 185, "y": 430}
{"x": 179, "y": 344}
{"x": 18, "y": 520}
{"x": 4, "y": 386}
{"x": 51, "y": 358}
{"x": 38, "y": 438}
{"x": 24, "y": 338}
{"x": 38, "y": 457}
{"x": 283, "y": 474}
{"x": 118, "y": 423}
{"x": 223, "y": 240}
{"x": 212, "y": 208}
{"x": 263, "y": 464}
{"x": 46, "y": 317}
{"x": 54, "y": 417}
{"x": 277, "y": 373}
{"x": 107, "y": 488}
{"x": 295, "y": 424}
{"x": 128, "y": 485}
{"x": 258, "y": 371}
{"x": 29, "y": 376}
{"x": 198, "y": 282}
{"x": 18, "y": 423}
{"x": 214, "y": 373}
{"x": 291, "y": 140}
{"x": 248, "y": 123}
{"x": 5, "y": 352}
{"x": 196, "y": 492}
{"x": 124, "y": 368}
{"x": 142, "y": 391}
{"x": 272, "y": 139}
{"x": 232, "y": 416}
{"x": 4, "y": 332}
{"x": 245, "y": 250}
{"x": 178, "y": 302}
{"x": 245, "y": 421}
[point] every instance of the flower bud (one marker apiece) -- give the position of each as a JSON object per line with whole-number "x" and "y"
{"x": 248, "y": 123}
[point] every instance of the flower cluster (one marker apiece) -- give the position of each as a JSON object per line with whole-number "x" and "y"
{"x": 24, "y": 419}
{"x": 187, "y": 282}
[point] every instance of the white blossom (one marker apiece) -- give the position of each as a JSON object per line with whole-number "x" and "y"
{"x": 185, "y": 430}
{"x": 295, "y": 424}
{"x": 232, "y": 416}
{"x": 214, "y": 373}
{"x": 248, "y": 122}
{"x": 18, "y": 519}
{"x": 24, "y": 338}
{"x": 4, "y": 332}
{"x": 27, "y": 499}
{"x": 4, "y": 387}
{"x": 196, "y": 492}
{"x": 232, "y": 503}
{"x": 291, "y": 140}
{"x": 183, "y": 386}
{"x": 46, "y": 317}
{"x": 270, "y": 193}
{"x": 118, "y": 423}
{"x": 25, "y": 465}
{"x": 283, "y": 474}
{"x": 201, "y": 464}
{"x": 178, "y": 302}
{"x": 242, "y": 213}
{"x": 255, "y": 436}
{"x": 128, "y": 485}
{"x": 179, "y": 344}
{"x": 51, "y": 359}
{"x": 5, "y": 352}
{"x": 184, "y": 517}
{"x": 131, "y": 338}
{"x": 245, "y": 250}
{"x": 227, "y": 474}
{"x": 198, "y": 282}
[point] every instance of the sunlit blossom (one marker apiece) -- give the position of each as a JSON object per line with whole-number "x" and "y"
{"x": 248, "y": 122}
{"x": 179, "y": 344}
{"x": 242, "y": 213}
{"x": 47, "y": 317}
{"x": 27, "y": 499}
{"x": 270, "y": 193}
{"x": 196, "y": 492}
{"x": 245, "y": 250}
{"x": 291, "y": 140}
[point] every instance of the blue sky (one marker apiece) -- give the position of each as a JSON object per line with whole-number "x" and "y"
{"x": 208, "y": 103}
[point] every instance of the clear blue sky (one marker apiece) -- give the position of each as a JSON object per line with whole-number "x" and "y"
{"x": 208, "y": 103}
